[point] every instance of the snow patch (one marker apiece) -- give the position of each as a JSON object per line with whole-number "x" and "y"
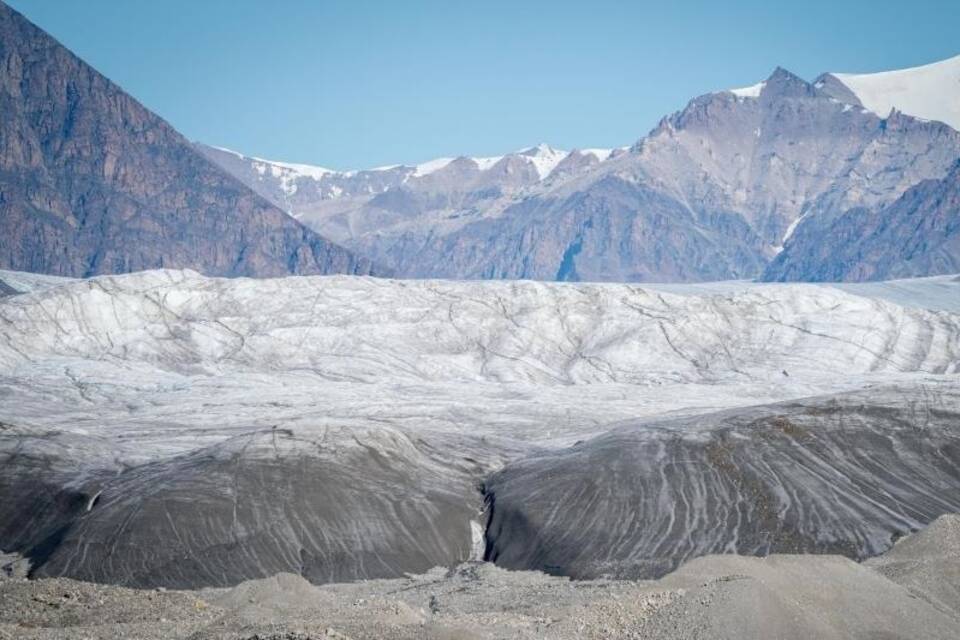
{"x": 543, "y": 157}
{"x": 230, "y": 151}
{"x": 931, "y": 91}
{"x": 486, "y": 163}
{"x": 790, "y": 230}
{"x": 299, "y": 170}
{"x": 599, "y": 154}
{"x": 753, "y": 91}
{"x": 426, "y": 168}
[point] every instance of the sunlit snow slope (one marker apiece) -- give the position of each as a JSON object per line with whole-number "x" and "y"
{"x": 931, "y": 91}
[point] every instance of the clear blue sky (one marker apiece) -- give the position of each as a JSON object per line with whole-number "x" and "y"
{"x": 357, "y": 83}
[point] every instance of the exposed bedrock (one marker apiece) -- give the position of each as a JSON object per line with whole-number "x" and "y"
{"x": 845, "y": 474}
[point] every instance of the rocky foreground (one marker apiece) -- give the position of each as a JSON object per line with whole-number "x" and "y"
{"x": 912, "y": 591}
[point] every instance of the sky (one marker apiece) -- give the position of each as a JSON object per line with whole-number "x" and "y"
{"x": 359, "y": 84}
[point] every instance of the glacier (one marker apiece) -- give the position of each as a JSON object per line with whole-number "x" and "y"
{"x": 163, "y": 428}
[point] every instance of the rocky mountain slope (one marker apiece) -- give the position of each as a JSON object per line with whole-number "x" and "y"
{"x": 91, "y": 182}
{"x": 311, "y": 192}
{"x": 917, "y": 234}
{"x": 169, "y": 429}
{"x": 714, "y": 192}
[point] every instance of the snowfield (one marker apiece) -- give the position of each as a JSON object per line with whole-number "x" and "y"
{"x": 503, "y": 357}
{"x": 931, "y": 91}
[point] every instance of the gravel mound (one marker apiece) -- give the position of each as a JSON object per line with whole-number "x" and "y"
{"x": 726, "y": 596}
{"x": 927, "y": 563}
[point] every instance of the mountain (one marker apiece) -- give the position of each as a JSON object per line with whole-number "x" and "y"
{"x": 350, "y": 204}
{"x": 931, "y": 91}
{"x": 712, "y": 193}
{"x": 715, "y": 191}
{"x": 784, "y": 179}
{"x": 918, "y": 234}
{"x": 91, "y": 182}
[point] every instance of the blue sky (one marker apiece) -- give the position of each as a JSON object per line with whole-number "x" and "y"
{"x": 359, "y": 84}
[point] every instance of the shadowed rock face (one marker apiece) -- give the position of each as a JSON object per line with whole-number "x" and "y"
{"x": 91, "y": 182}
{"x": 843, "y": 475}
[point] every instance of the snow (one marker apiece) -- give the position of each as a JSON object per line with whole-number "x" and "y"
{"x": 599, "y": 154}
{"x": 452, "y": 378}
{"x": 175, "y": 360}
{"x": 940, "y": 293}
{"x": 931, "y": 91}
{"x": 300, "y": 170}
{"x": 544, "y": 158}
{"x": 287, "y": 173}
{"x": 753, "y": 91}
{"x": 230, "y": 151}
{"x": 790, "y": 230}
{"x": 277, "y": 168}
{"x": 486, "y": 163}
{"x": 426, "y": 168}
{"x": 25, "y": 282}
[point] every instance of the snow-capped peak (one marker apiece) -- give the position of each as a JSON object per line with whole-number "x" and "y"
{"x": 288, "y": 173}
{"x": 290, "y": 170}
{"x": 486, "y": 163}
{"x": 931, "y": 91}
{"x": 544, "y": 158}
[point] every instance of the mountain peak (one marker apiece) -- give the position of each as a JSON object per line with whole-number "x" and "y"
{"x": 543, "y": 157}
{"x": 784, "y": 84}
{"x": 542, "y": 149}
{"x": 98, "y": 184}
{"x": 780, "y": 83}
